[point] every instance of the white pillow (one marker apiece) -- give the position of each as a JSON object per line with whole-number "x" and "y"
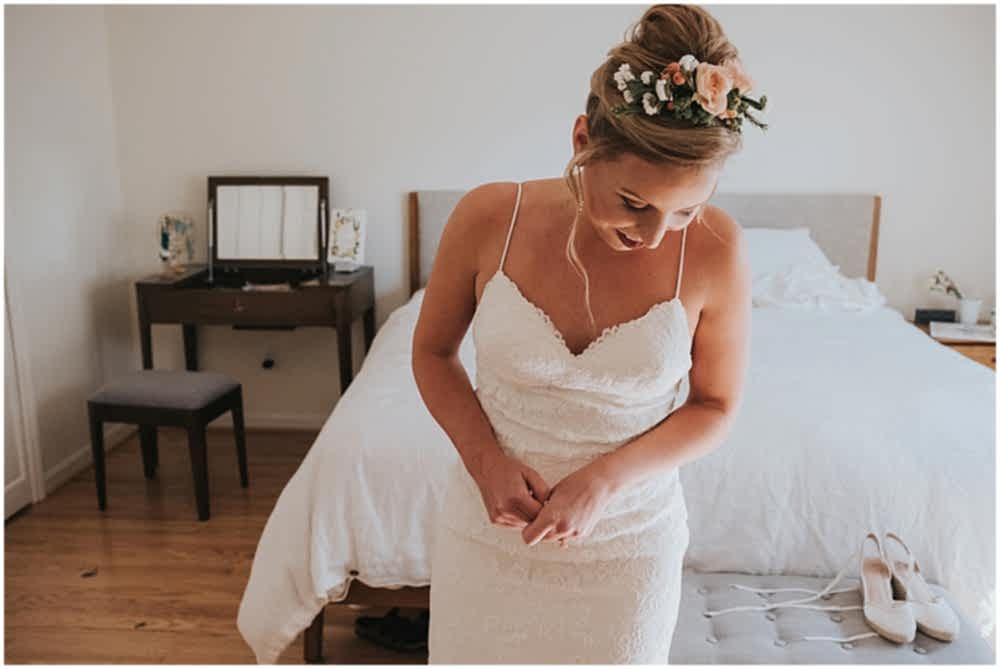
{"x": 773, "y": 250}
{"x": 814, "y": 286}
{"x": 790, "y": 270}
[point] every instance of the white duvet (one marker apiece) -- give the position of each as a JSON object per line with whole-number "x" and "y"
{"x": 851, "y": 421}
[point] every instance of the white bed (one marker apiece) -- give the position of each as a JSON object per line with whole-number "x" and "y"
{"x": 851, "y": 420}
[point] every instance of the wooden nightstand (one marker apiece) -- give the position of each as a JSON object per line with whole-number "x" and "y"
{"x": 984, "y": 353}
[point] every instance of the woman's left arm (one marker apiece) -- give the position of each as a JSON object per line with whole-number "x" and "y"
{"x": 719, "y": 355}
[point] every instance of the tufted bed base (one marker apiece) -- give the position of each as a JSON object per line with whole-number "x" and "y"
{"x": 752, "y": 637}
{"x": 748, "y": 637}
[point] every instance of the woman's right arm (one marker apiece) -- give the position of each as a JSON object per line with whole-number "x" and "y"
{"x": 512, "y": 491}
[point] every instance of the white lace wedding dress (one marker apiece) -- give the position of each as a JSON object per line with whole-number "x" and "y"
{"x": 613, "y": 596}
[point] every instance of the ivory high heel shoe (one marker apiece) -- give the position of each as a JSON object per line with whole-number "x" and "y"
{"x": 891, "y": 618}
{"x": 933, "y": 615}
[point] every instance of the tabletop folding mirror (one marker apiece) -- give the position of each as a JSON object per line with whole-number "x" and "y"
{"x": 273, "y": 226}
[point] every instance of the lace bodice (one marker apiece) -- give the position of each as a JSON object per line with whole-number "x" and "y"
{"x": 624, "y": 382}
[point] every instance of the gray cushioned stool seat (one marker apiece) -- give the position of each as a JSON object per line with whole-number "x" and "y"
{"x": 751, "y": 637}
{"x": 165, "y": 388}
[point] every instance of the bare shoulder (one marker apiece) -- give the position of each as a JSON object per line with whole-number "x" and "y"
{"x": 450, "y": 298}
{"x": 721, "y": 240}
{"x": 724, "y": 255}
{"x": 480, "y": 215}
{"x": 483, "y": 200}
{"x": 722, "y": 226}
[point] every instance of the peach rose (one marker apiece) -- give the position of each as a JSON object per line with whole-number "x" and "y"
{"x": 678, "y": 79}
{"x": 712, "y": 86}
{"x": 741, "y": 80}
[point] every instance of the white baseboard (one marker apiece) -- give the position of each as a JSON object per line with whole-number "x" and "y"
{"x": 114, "y": 435}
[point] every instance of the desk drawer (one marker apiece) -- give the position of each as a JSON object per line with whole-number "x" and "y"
{"x": 215, "y": 307}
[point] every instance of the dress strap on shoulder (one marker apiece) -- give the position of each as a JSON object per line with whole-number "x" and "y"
{"x": 680, "y": 265}
{"x": 510, "y": 228}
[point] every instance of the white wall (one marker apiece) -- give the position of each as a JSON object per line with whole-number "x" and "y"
{"x": 897, "y": 100}
{"x": 386, "y": 99}
{"x": 64, "y": 226}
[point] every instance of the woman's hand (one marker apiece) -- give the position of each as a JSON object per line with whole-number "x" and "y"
{"x": 511, "y": 490}
{"x": 572, "y": 508}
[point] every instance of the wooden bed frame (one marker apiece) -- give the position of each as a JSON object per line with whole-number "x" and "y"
{"x": 844, "y": 225}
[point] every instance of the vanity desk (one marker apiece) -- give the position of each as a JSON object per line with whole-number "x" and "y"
{"x": 335, "y": 299}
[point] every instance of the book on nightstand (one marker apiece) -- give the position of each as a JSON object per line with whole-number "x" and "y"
{"x": 957, "y": 332}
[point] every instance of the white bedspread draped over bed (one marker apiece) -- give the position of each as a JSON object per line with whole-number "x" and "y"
{"x": 851, "y": 421}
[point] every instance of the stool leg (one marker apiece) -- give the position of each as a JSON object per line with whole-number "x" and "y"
{"x": 199, "y": 467}
{"x": 150, "y": 453}
{"x": 97, "y": 448}
{"x": 241, "y": 443}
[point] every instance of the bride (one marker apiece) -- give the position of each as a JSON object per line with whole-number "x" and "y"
{"x": 592, "y": 297}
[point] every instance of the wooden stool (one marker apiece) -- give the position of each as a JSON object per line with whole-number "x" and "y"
{"x": 149, "y": 398}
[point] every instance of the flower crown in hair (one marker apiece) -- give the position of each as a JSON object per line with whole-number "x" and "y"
{"x": 702, "y": 93}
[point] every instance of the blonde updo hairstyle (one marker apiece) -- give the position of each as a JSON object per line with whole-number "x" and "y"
{"x": 664, "y": 34}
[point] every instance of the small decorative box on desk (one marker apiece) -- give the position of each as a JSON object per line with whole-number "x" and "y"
{"x": 985, "y": 353}
{"x": 189, "y": 299}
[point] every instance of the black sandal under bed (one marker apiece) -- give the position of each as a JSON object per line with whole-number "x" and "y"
{"x": 393, "y": 631}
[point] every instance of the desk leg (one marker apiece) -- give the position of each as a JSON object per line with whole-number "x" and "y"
{"x": 346, "y": 355}
{"x": 146, "y": 342}
{"x": 369, "y": 327}
{"x": 190, "y": 347}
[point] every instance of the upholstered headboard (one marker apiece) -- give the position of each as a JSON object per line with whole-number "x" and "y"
{"x": 845, "y": 225}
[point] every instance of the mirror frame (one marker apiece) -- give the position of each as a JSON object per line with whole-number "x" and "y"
{"x": 322, "y": 221}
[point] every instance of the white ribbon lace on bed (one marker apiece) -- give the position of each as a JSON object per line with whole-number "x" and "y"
{"x": 803, "y": 603}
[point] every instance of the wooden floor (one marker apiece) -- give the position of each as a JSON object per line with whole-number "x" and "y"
{"x": 144, "y": 581}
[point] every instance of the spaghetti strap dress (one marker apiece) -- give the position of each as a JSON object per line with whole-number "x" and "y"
{"x": 610, "y": 597}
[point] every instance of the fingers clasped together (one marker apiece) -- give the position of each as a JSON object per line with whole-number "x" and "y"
{"x": 517, "y": 496}
{"x": 571, "y": 509}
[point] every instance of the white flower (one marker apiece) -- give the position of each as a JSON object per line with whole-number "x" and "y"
{"x": 941, "y": 282}
{"x": 623, "y": 75}
{"x": 688, "y": 62}
{"x": 650, "y": 104}
{"x": 663, "y": 91}
{"x": 628, "y": 96}
{"x": 647, "y": 77}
